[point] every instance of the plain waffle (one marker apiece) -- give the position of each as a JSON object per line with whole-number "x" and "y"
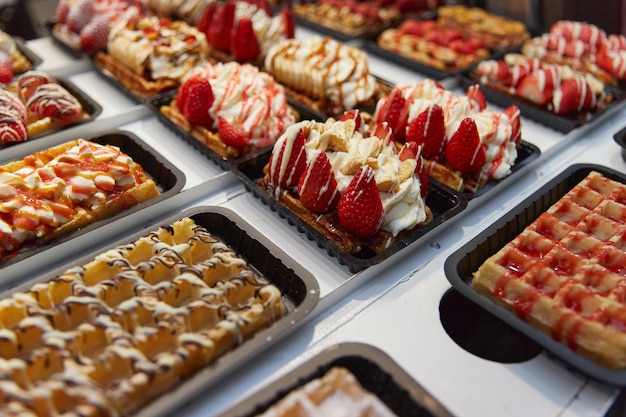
{"x": 106, "y": 337}
{"x": 564, "y": 273}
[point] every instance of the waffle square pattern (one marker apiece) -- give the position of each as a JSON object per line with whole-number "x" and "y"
{"x": 565, "y": 273}
{"x": 105, "y": 338}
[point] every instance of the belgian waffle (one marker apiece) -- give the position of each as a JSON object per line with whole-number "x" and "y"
{"x": 107, "y": 337}
{"x": 338, "y": 391}
{"x": 564, "y": 272}
{"x": 61, "y": 189}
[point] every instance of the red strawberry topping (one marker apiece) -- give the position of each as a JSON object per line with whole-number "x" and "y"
{"x": 95, "y": 34}
{"x": 392, "y": 109}
{"x": 575, "y": 95}
{"x": 62, "y": 10}
{"x": 360, "y": 209}
{"x": 538, "y": 86}
{"x": 6, "y": 68}
{"x": 353, "y": 114}
{"x": 317, "y": 187}
{"x": 79, "y": 15}
{"x": 230, "y": 135}
{"x": 288, "y": 165}
{"x": 384, "y": 132}
{"x": 474, "y": 93}
{"x": 206, "y": 19}
{"x": 428, "y": 129}
{"x": 245, "y": 46}
{"x": 514, "y": 116}
{"x": 412, "y": 150}
{"x": 221, "y": 28}
{"x": 464, "y": 151}
{"x": 194, "y": 100}
{"x": 289, "y": 23}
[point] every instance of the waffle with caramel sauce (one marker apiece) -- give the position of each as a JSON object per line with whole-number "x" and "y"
{"x": 107, "y": 337}
{"x": 61, "y": 189}
{"x": 564, "y": 272}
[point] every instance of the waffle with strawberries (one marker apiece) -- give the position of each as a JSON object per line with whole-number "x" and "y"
{"x": 564, "y": 272}
{"x": 361, "y": 191}
{"x": 107, "y": 337}
{"x": 12, "y": 60}
{"x": 64, "y": 188}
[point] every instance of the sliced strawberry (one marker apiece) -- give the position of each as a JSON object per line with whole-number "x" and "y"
{"x": 353, "y": 114}
{"x": 221, "y": 29}
{"x": 196, "y": 101}
{"x": 205, "y": 21}
{"x": 408, "y": 151}
{"x": 79, "y": 15}
{"x": 245, "y": 45}
{"x": 494, "y": 70}
{"x": 474, "y": 92}
{"x": 384, "y": 132}
{"x": 230, "y": 135}
{"x": 513, "y": 113}
{"x": 95, "y": 34}
{"x": 537, "y": 87}
{"x": 317, "y": 187}
{"x": 289, "y": 23}
{"x": 61, "y": 11}
{"x": 416, "y": 27}
{"x": 428, "y": 129}
{"x": 286, "y": 174}
{"x": 360, "y": 209}
{"x": 6, "y": 68}
{"x": 573, "y": 96}
{"x": 464, "y": 151}
{"x": 392, "y": 109}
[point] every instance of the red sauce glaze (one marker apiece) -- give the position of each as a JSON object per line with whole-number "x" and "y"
{"x": 567, "y": 329}
{"x": 514, "y": 262}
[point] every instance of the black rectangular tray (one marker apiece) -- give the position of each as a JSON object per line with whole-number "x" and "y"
{"x": 168, "y": 178}
{"x": 463, "y": 262}
{"x": 443, "y": 202}
{"x": 561, "y": 123}
{"x": 300, "y": 293}
{"x": 375, "y": 371}
{"x": 305, "y": 113}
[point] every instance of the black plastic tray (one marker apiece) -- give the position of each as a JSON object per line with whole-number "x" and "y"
{"x": 168, "y": 178}
{"x": 300, "y": 294}
{"x": 375, "y": 371}
{"x": 155, "y": 104}
{"x": 620, "y": 139}
{"x": 462, "y": 263}
{"x": 561, "y": 123}
{"x": 443, "y": 202}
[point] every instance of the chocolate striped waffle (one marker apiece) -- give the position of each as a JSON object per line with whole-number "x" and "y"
{"x": 564, "y": 273}
{"x": 106, "y": 337}
{"x": 338, "y": 391}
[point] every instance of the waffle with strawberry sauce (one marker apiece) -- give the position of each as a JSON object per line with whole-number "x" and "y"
{"x": 231, "y": 108}
{"x": 464, "y": 143}
{"x": 84, "y": 25}
{"x": 324, "y": 74}
{"x": 425, "y": 41}
{"x": 584, "y": 47}
{"x": 53, "y": 192}
{"x": 244, "y": 30}
{"x": 362, "y": 191}
{"x": 12, "y": 61}
{"x": 552, "y": 87}
{"x": 35, "y": 104}
{"x": 150, "y": 55}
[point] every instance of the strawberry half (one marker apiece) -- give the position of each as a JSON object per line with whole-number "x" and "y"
{"x": 428, "y": 129}
{"x": 245, "y": 45}
{"x": 538, "y": 86}
{"x": 392, "y": 109}
{"x": 412, "y": 150}
{"x": 194, "y": 100}
{"x": 6, "y": 68}
{"x": 513, "y": 114}
{"x": 574, "y": 96}
{"x": 286, "y": 174}
{"x": 474, "y": 92}
{"x": 353, "y": 114}
{"x": 464, "y": 151}
{"x": 230, "y": 135}
{"x": 206, "y": 18}
{"x": 79, "y": 15}
{"x": 360, "y": 209}
{"x": 384, "y": 132}
{"x": 220, "y": 31}
{"x": 317, "y": 187}
{"x": 289, "y": 23}
{"x": 95, "y": 34}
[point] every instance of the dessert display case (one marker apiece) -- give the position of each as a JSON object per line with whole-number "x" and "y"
{"x": 401, "y": 312}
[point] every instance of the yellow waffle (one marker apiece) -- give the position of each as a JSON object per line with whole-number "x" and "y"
{"x": 565, "y": 272}
{"x": 107, "y": 337}
{"x": 338, "y": 391}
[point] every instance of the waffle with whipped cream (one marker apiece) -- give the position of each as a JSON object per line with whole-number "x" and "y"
{"x": 150, "y": 55}
{"x": 326, "y": 75}
{"x": 107, "y": 337}
{"x": 564, "y": 272}
{"x": 18, "y": 60}
{"x": 337, "y": 392}
{"x": 66, "y": 187}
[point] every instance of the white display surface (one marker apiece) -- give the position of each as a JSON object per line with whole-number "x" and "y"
{"x": 393, "y": 305}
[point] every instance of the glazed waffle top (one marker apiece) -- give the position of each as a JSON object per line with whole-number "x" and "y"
{"x": 565, "y": 272}
{"x": 338, "y": 392}
{"x": 105, "y": 338}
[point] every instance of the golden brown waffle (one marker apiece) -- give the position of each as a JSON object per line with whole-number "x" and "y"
{"x": 138, "y": 84}
{"x": 109, "y": 336}
{"x": 338, "y": 390}
{"x": 564, "y": 272}
{"x": 20, "y": 62}
{"x": 67, "y": 171}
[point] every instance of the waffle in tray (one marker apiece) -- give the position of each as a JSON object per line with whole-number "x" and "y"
{"x": 107, "y": 337}
{"x": 19, "y": 62}
{"x": 148, "y": 55}
{"x": 322, "y": 394}
{"x": 564, "y": 272}
{"x": 53, "y": 192}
